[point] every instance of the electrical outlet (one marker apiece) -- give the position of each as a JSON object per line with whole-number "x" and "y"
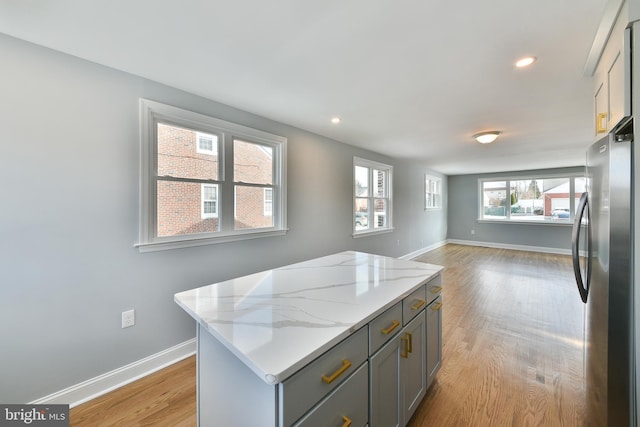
{"x": 128, "y": 318}
{"x": 473, "y": 231}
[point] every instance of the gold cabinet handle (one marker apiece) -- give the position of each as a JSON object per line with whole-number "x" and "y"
{"x": 345, "y": 365}
{"x": 418, "y": 304}
{"x": 405, "y": 340}
{"x": 347, "y": 421}
{"x": 437, "y": 306}
{"x": 410, "y": 342}
{"x": 601, "y": 126}
{"x": 388, "y": 330}
{"x": 436, "y": 289}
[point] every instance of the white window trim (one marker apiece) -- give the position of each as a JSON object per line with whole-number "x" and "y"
{"x": 509, "y": 178}
{"x": 214, "y": 149}
{"x": 358, "y": 161}
{"x": 150, "y": 113}
{"x": 438, "y": 193}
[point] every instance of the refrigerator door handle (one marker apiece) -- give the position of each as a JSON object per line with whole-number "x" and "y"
{"x": 583, "y": 207}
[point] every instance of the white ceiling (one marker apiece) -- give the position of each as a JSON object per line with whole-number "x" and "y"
{"x": 409, "y": 78}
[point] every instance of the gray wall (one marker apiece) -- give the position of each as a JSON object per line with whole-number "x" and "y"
{"x": 69, "y": 170}
{"x": 463, "y": 216}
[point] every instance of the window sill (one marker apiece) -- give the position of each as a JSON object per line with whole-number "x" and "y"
{"x": 187, "y": 243}
{"x": 359, "y": 234}
{"x": 511, "y": 221}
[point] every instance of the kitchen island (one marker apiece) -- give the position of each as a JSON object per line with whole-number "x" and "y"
{"x": 289, "y": 345}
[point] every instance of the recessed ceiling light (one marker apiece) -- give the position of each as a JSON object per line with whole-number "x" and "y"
{"x": 336, "y": 120}
{"x": 487, "y": 137}
{"x": 526, "y": 61}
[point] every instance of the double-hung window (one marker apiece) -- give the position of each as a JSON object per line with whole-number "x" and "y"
{"x": 205, "y": 180}
{"x": 538, "y": 199}
{"x": 433, "y": 192}
{"x": 209, "y": 200}
{"x": 268, "y": 202}
{"x": 372, "y": 205}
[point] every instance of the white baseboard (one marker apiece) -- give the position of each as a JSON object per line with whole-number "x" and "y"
{"x": 419, "y": 252}
{"x": 102, "y": 384}
{"x": 512, "y": 247}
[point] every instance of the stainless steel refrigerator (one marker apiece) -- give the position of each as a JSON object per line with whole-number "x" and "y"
{"x": 603, "y": 264}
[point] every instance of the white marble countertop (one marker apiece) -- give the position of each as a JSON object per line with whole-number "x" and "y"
{"x": 278, "y": 321}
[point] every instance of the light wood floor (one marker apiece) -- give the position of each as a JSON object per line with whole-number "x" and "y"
{"x": 164, "y": 399}
{"x": 512, "y": 352}
{"x": 512, "y": 341}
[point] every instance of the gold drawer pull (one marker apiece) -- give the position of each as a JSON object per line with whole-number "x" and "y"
{"x": 405, "y": 340}
{"x": 345, "y": 365}
{"x": 601, "y": 126}
{"x": 417, "y": 305}
{"x": 394, "y": 325}
{"x": 347, "y": 421}
{"x": 436, "y": 289}
{"x": 437, "y": 306}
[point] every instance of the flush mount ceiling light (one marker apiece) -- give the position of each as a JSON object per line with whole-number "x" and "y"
{"x": 526, "y": 61}
{"x": 336, "y": 120}
{"x": 487, "y": 137}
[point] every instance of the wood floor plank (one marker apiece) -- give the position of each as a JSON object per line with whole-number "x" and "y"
{"x": 512, "y": 341}
{"x": 512, "y": 352}
{"x": 165, "y": 398}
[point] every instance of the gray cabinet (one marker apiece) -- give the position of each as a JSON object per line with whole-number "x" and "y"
{"x": 434, "y": 338}
{"x": 304, "y": 389}
{"x": 332, "y": 387}
{"x": 434, "y": 289}
{"x": 384, "y": 386}
{"x": 413, "y": 304}
{"x": 413, "y": 366}
{"x": 377, "y": 376}
{"x": 434, "y": 328}
{"x": 384, "y": 327}
{"x": 398, "y": 376}
{"x": 347, "y": 405}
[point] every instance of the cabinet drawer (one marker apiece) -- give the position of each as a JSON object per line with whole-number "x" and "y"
{"x": 413, "y": 304}
{"x": 434, "y": 288}
{"x": 385, "y": 326}
{"x": 349, "y": 403}
{"x": 308, "y": 386}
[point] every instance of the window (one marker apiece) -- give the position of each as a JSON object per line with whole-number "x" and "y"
{"x": 433, "y": 192}
{"x": 209, "y": 201}
{"x": 546, "y": 199}
{"x": 189, "y": 196}
{"x": 207, "y": 143}
{"x": 253, "y": 178}
{"x": 268, "y": 202}
{"x": 372, "y": 197}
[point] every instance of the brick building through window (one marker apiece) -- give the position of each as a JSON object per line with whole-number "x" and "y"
{"x": 185, "y": 207}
